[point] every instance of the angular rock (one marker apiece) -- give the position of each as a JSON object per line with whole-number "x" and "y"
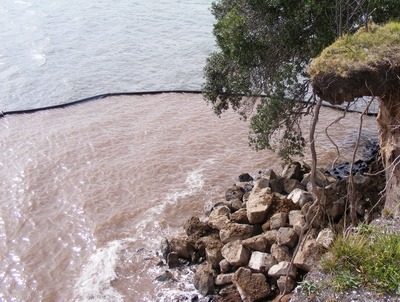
{"x": 204, "y": 279}
{"x": 257, "y": 206}
{"x": 290, "y": 184}
{"x": 281, "y": 269}
{"x": 278, "y": 220}
{"x": 300, "y": 197}
{"x": 234, "y": 192}
{"x": 219, "y": 217}
{"x": 228, "y": 294}
{"x": 308, "y": 255}
{"x": 173, "y": 260}
{"x": 257, "y": 243}
{"x": 292, "y": 170}
{"x": 234, "y": 204}
{"x": 261, "y": 183}
{"x": 224, "y": 266}
{"x": 267, "y": 174}
{"x": 182, "y": 247}
{"x": 277, "y": 185}
{"x": 297, "y": 220}
{"x": 251, "y": 286}
{"x": 245, "y": 177}
{"x": 194, "y": 226}
{"x": 165, "y": 248}
{"x": 235, "y": 253}
{"x": 290, "y": 284}
{"x": 326, "y": 238}
{"x": 213, "y": 255}
{"x": 261, "y": 262}
{"x": 281, "y": 253}
{"x": 223, "y": 279}
{"x": 240, "y": 216}
{"x": 166, "y": 276}
{"x": 235, "y": 231}
{"x": 287, "y": 236}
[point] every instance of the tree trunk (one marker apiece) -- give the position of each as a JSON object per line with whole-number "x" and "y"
{"x": 389, "y": 139}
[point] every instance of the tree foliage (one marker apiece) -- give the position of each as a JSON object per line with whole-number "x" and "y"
{"x": 264, "y": 49}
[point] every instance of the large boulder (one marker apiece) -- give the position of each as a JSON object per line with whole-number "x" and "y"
{"x": 182, "y": 247}
{"x": 251, "y": 286}
{"x": 261, "y": 243}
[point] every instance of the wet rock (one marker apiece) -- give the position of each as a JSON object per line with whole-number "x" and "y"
{"x": 278, "y": 220}
{"x": 204, "y": 279}
{"x": 234, "y": 192}
{"x": 165, "y": 248}
{"x": 235, "y": 231}
{"x": 173, "y": 260}
{"x": 194, "y": 226}
{"x": 245, "y": 177}
{"x": 287, "y": 236}
{"x": 251, "y": 286}
{"x": 182, "y": 247}
{"x": 235, "y": 253}
{"x": 261, "y": 262}
{"x": 281, "y": 269}
{"x": 166, "y": 276}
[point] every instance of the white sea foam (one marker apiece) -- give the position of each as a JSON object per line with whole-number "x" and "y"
{"x": 194, "y": 183}
{"x": 94, "y": 283}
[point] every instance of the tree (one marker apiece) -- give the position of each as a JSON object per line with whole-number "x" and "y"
{"x": 265, "y": 47}
{"x": 367, "y": 63}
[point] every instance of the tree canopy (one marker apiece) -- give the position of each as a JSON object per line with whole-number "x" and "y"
{"x": 265, "y": 47}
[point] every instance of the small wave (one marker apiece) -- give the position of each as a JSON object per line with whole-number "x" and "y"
{"x": 94, "y": 283}
{"x": 194, "y": 183}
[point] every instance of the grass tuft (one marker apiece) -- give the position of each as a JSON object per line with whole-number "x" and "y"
{"x": 371, "y": 258}
{"x": 362, "y": 49}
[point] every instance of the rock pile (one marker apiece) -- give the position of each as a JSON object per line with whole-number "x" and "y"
{"x": 245, "y": 246}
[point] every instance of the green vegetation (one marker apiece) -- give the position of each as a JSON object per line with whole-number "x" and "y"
{"x": 265, "y": 48}
{"x": 360, "y": 49}
{"x": 371, "y": 258}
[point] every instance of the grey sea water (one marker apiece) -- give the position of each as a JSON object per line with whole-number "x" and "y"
{"x": 53, "y": 52}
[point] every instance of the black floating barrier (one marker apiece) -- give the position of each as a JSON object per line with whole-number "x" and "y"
{"x": 102, "y": 96}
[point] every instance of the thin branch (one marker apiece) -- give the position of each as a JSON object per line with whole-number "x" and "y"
{"x": 330, "y": 139}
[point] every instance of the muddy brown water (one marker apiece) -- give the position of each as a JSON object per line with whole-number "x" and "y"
{"x": 89, "y": 191}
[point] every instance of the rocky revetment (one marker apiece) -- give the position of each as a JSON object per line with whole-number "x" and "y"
{"x": 256, "y": 245}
